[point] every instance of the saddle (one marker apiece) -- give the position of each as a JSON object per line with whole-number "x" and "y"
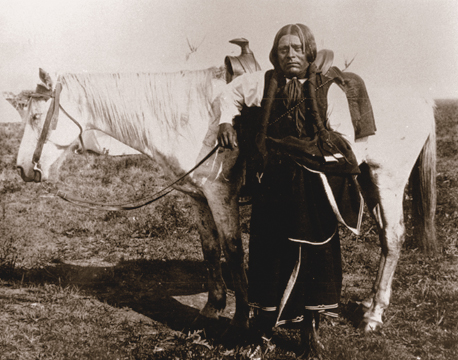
{"x": 244, "y": 63}
{"x": 354, "y": 87}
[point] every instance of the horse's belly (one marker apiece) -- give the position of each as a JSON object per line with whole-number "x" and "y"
{"x": 219, "y": 170}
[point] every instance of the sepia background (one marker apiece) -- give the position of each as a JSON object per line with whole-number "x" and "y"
{"x": 410, "y": 43}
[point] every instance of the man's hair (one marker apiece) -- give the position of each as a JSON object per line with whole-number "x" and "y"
{"x": 303, "y": 33}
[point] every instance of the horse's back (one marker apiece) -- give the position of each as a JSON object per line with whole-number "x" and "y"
{"x": 404, "y": 123}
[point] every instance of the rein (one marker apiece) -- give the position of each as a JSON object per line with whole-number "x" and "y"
{"x": 133, "y": 205}
{"x": 52, "y": 117}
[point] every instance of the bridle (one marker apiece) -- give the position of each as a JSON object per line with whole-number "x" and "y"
{"x": 52, "y": 117}
{"x": 51, "y": 123}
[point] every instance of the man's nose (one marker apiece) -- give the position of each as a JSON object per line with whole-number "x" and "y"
{"x": 291, "y": 52}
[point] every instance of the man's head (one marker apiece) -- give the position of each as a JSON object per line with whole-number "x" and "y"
{"x": 293, "y": 50}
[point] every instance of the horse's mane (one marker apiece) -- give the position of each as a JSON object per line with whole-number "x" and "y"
{"x": 131, "y": 103}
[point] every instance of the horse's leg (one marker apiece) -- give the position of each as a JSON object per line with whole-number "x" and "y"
{"x": 386, "y": 206}
{"x": 223, "y": 202}
{"x": 372, "y": 199}
{"x": 212, "y": 255}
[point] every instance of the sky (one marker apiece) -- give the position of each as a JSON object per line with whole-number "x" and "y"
{"x": 410, "y": 44}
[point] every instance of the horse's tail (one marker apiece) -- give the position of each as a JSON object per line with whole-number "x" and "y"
{"x": 423, "y": 186}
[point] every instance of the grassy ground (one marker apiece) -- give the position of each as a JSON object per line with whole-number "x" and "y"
{"x": 85, "y": 284}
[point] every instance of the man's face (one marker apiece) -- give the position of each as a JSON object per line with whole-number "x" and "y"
{"x": 291, "y": 57}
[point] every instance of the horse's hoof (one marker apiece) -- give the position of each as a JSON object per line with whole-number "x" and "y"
{"x": 203, "y": 323}
{"x": 241, "y": 323}
{"x": 211, "y": 312}
{"x": 236, "y": 336}
{"x": 231, "y": 337}
{"x": 370, "y": 325}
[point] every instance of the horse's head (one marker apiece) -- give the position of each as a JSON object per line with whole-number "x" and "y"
{"x": 47, "y": 133}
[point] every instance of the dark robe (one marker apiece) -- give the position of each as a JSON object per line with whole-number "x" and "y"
{"x": 294, "y": 251}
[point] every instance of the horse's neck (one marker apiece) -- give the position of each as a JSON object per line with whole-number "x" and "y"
{"x": 170, "y": 121}
{"x": 176, "y": 149}
{"x": 105, "y": 126}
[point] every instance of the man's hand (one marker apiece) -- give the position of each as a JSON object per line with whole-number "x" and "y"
{"x": 227, "y": 136}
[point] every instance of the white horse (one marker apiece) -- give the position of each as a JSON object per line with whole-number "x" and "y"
{"x": 173, "y": 118}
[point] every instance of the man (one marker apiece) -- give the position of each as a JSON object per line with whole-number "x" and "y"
{"x": 303, "y": 168}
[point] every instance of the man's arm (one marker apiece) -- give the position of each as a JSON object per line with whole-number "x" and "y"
{"x": 339, "y": 118}
{"x": 245, "y": 90}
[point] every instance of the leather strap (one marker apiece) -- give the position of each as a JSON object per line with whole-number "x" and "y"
{"x": 133, "y": 205}
{"x": 51, "y": 118}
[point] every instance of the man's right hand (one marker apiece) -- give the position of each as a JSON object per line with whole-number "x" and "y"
{"x": 227, "y": 136}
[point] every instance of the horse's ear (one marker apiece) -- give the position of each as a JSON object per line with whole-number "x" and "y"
{"x": 44, "y": 76}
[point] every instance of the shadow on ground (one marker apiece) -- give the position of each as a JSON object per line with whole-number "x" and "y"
{"x": 170, "y": 292}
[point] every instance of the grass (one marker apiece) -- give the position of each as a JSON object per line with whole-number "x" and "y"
{"x": 86, "y": 284}
{"x": 51, "y": 322}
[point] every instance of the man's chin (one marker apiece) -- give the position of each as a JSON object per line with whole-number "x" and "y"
{"x": 292, "y": 73}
